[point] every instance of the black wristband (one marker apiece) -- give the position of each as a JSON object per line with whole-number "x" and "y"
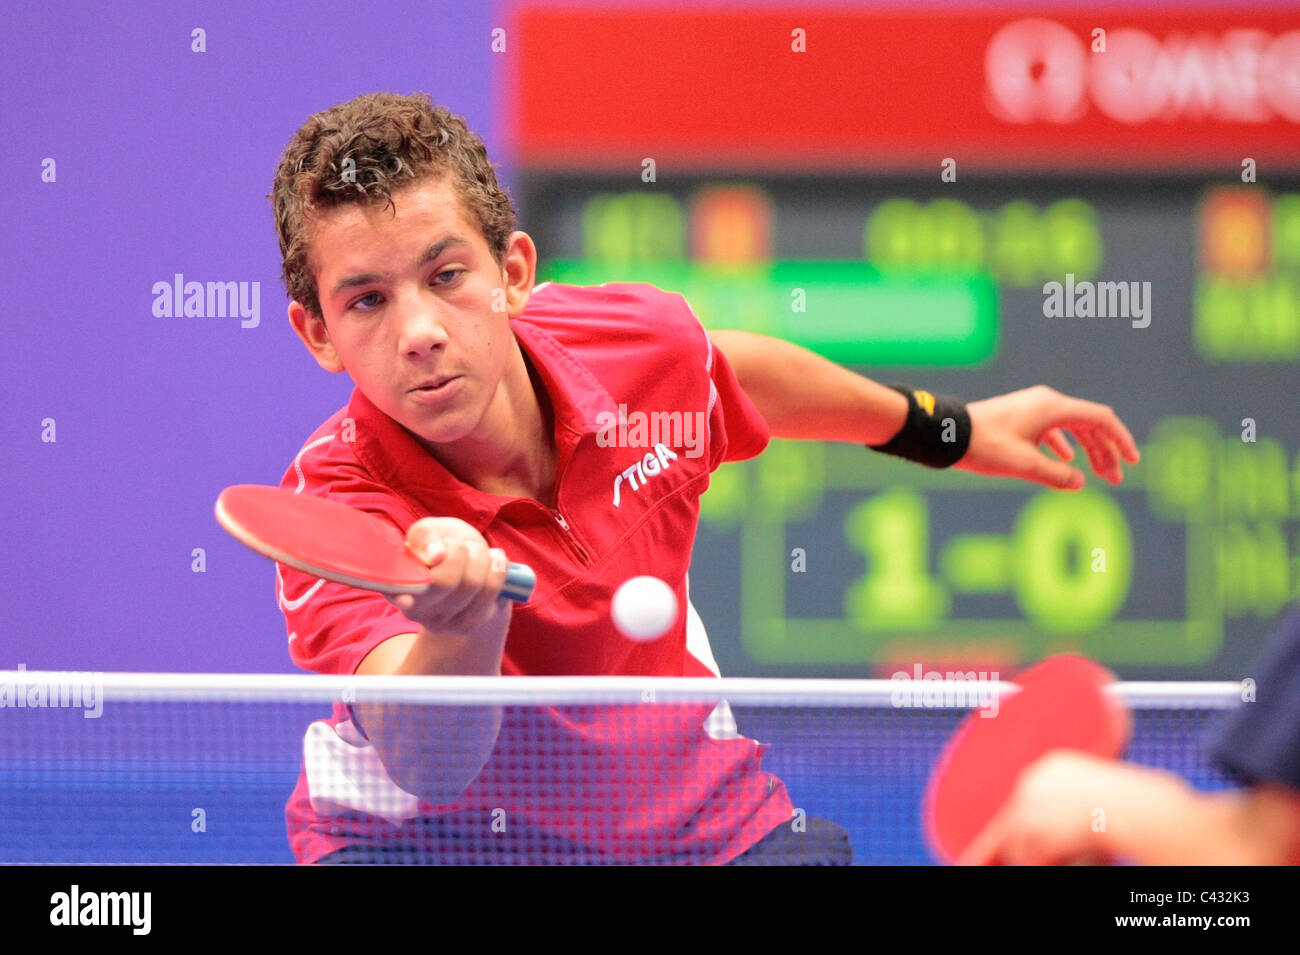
{"x": 936, "y": 432}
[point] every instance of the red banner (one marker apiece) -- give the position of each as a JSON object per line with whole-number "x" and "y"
{"x": 1112, "y": 88}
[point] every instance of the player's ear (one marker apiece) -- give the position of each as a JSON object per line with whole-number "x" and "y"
{"x": 520, "y": 271}
{"x": 311, "y": 329}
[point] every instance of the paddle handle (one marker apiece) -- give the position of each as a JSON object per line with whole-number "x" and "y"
{"x": 519, "y": 584}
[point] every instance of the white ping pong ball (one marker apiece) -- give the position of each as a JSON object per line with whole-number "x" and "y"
{"x": 644, "y": 608}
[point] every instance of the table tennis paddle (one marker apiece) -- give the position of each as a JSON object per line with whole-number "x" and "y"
{"x": 332, "y": 540}
{"x": 1062, "y": 703}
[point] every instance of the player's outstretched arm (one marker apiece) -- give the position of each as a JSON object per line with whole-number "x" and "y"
{"x": 804, "y": 396}
{"x": 435, "y": 752}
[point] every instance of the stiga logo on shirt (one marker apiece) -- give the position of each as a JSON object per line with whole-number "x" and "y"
{"x": 638, "y": 474}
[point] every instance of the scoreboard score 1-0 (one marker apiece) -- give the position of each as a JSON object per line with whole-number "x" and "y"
{"x": 846, "y": 559}
{"x": 1145, "y": 266}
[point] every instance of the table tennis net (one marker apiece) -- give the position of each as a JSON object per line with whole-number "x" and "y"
{"x": 175, "y": 768}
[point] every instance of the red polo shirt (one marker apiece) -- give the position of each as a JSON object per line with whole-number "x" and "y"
{"x": 645, "y": 409}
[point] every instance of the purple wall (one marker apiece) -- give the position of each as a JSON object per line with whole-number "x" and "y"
{"x": 164, "y": 157}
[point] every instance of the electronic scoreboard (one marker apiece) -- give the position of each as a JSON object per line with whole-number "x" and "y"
{"x": 1182, "y": 311}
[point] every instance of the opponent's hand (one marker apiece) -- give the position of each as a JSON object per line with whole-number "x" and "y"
{"x": 1006, "y": 432}
{"x": 466, "y": 577}
{"x": 1051, "y": 817}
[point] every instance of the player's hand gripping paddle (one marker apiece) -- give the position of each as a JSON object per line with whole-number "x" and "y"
{"x": 332, "y": 540}
{"x": 1062, "y": 704}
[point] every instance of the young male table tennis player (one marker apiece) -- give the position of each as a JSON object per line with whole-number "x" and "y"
{"x": 1155, "y": 817}
{"x": 490, "y": 403}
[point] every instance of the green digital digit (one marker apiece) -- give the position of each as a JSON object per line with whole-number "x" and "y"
{"x": 1072, "y": 239}
{"x": 1254, "y": 572}
{"x": 956, "y": 238}
{"x": 1181, "y": 468}
{"x": 1252, "y": 479}
{"x": 1280, "y": 305}
{"x": 632, "y": 227}
{"x": 1218, "y": 315}
{"x": 1244, "y": 320}
{"x": 892, "y": 233}
{"x": 1016, "y": 253}
{"x": 1074, "y": 560}
{"x": 893, "y": 531}
{"x": 1286, "y": 230}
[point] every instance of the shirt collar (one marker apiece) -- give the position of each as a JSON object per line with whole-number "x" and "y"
{"x": 390, "y": 452}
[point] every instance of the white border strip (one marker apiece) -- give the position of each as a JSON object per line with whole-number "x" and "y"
{"x": 562, "y": 690}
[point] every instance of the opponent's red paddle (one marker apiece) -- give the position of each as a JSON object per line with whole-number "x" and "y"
{"x": 332, "y": 540}
{"x": 1062, "y": 704}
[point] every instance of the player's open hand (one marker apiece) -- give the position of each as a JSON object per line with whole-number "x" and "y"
{"x": 466, "y": 576}
{"x": 1006, "y": 432}
{"x": 1055, "y": 816}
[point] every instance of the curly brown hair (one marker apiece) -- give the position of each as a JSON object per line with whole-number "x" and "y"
{"x": 392, "y": 141}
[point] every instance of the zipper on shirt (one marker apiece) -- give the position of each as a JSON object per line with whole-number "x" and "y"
{"x": 570, "y": 536}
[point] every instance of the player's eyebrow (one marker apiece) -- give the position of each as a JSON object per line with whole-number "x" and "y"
{"x": 431, "y": 253}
